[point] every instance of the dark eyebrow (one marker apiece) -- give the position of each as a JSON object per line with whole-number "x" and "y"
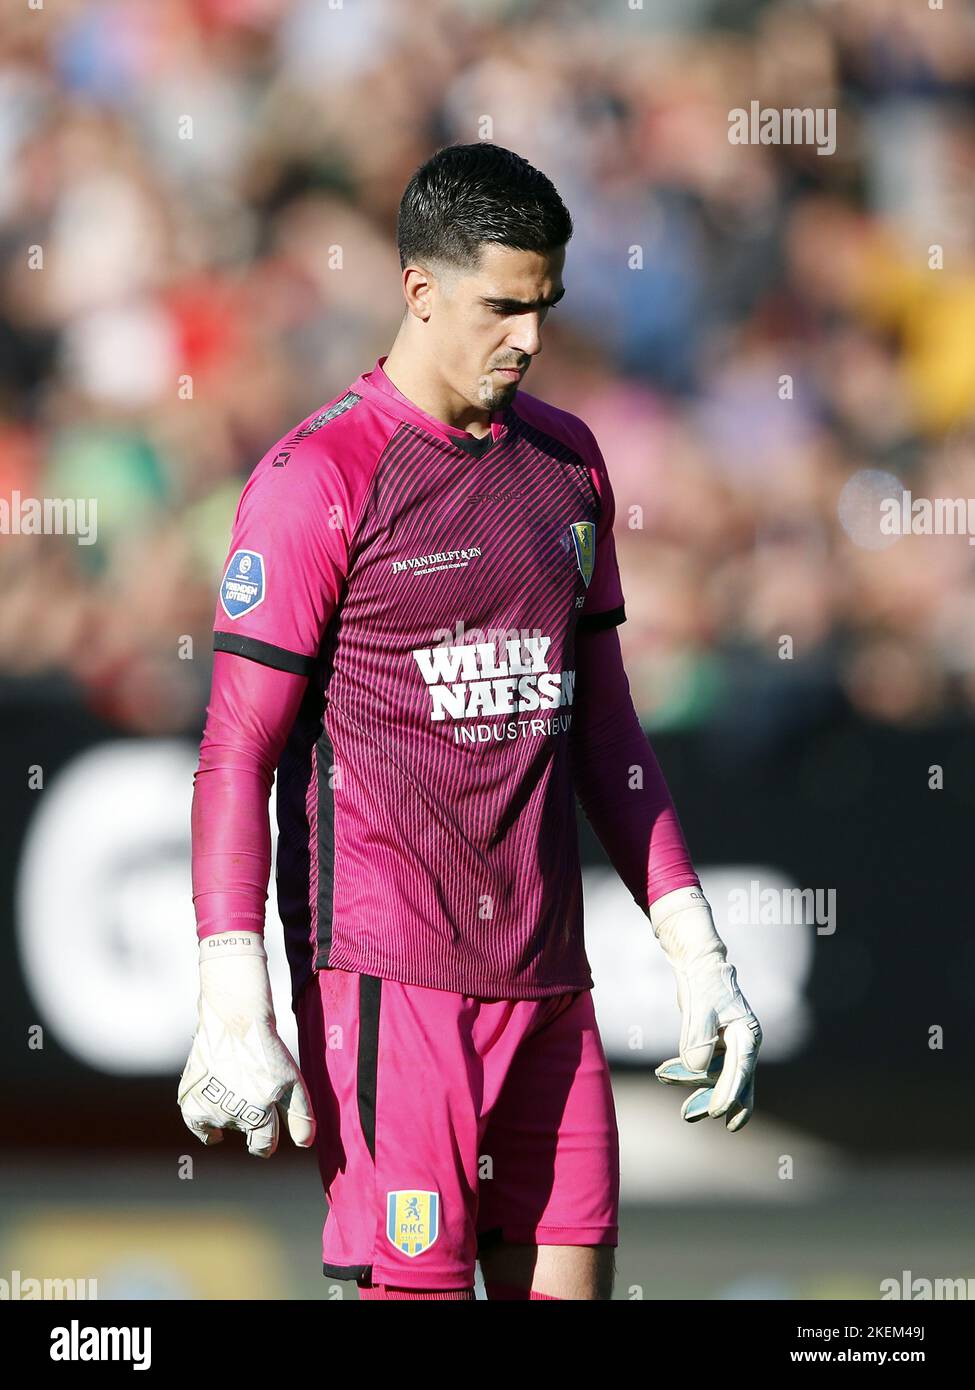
{"x": 517, "y": 306}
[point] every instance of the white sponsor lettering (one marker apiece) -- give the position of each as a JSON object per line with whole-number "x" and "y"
{"x": 474, "y": 680}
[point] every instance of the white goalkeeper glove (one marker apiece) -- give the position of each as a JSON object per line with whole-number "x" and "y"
{"x": 239, "y": 1074}
{"x": 720, "y": 1036}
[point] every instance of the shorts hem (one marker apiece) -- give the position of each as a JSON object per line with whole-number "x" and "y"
{"x": 422, "y": 1279}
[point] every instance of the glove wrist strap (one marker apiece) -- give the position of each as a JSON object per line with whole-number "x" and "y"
{"x": 683, "y": 924}
{"x": 232, "y": 943}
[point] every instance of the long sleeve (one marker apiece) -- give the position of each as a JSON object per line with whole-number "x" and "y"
{"x": 617, "y": 777}
{"x": 251, "y": 711}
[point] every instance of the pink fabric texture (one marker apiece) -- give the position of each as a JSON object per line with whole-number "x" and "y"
{"x": 414, "y": 1088}
{"x": 389, "y": 1293}
{"x": 252, "y": 708}
{"x": 637, "y": 826}
{"x": 416, "y": 630}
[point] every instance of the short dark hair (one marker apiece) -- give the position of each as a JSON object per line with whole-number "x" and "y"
{"x": 468, "y": 194}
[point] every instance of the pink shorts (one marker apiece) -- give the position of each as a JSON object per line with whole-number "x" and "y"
{"x": 446, "y": 1123}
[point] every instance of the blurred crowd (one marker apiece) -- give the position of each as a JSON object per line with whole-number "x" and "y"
{"x": 763, "y": 338}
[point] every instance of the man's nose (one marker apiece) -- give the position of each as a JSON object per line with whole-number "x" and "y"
{"x": 527, "y": 337}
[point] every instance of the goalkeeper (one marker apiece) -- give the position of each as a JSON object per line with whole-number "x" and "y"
{"x": 417, "y": 630}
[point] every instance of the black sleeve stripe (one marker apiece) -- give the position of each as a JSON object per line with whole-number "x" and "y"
{"x": 595, "y": 622}
{"x": 264, "y": 652}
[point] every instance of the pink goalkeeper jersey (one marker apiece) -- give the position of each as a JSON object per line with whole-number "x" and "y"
{"x": 430, "y": 585}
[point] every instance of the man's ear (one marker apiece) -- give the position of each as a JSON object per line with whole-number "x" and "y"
{"x": 421, "y": 286}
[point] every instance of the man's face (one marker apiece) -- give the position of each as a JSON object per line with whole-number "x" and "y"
{"x": 486, "y": 320}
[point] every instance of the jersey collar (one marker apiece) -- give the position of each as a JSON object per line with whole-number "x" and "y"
{"x": 376, "y": 385}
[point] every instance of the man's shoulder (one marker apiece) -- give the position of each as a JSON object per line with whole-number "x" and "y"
{"x": 324, "y": 416}
{"x": 560, "y": 424}
{"x": 338, "y": 444}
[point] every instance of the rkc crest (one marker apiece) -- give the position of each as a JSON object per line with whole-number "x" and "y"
{"x": 412, "y": 1220}
{"x": 583, "y": 535}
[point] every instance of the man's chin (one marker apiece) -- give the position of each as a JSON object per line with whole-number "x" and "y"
{"x": 497, "y": 390}
{"x": 503, "y": 393}
{"x": 497, "y": 398}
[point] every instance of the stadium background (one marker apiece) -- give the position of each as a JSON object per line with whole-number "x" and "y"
{"x": 251, "y": 255}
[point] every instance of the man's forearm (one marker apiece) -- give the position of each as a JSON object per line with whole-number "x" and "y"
{"x": 252, "y": 708}
{"x": 618, "y": 779}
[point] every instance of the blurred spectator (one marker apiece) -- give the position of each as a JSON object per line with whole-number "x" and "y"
{"x": 197, "y": 205}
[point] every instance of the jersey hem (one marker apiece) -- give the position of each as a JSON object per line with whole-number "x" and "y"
{"x": 476, "y": 988}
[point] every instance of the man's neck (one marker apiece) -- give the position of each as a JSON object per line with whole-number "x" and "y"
{"x": 408, "y": 373}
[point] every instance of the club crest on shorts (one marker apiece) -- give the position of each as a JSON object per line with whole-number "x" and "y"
{"x": 583, "y": 535}
{"x": 412, "y": 1220}
{"x": 243, "y": 584}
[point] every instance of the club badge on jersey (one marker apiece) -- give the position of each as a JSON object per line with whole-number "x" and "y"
{"x": 244, "y": 584}
{"x": 412, "y": 1220}
{"x": 583, "y": 535}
